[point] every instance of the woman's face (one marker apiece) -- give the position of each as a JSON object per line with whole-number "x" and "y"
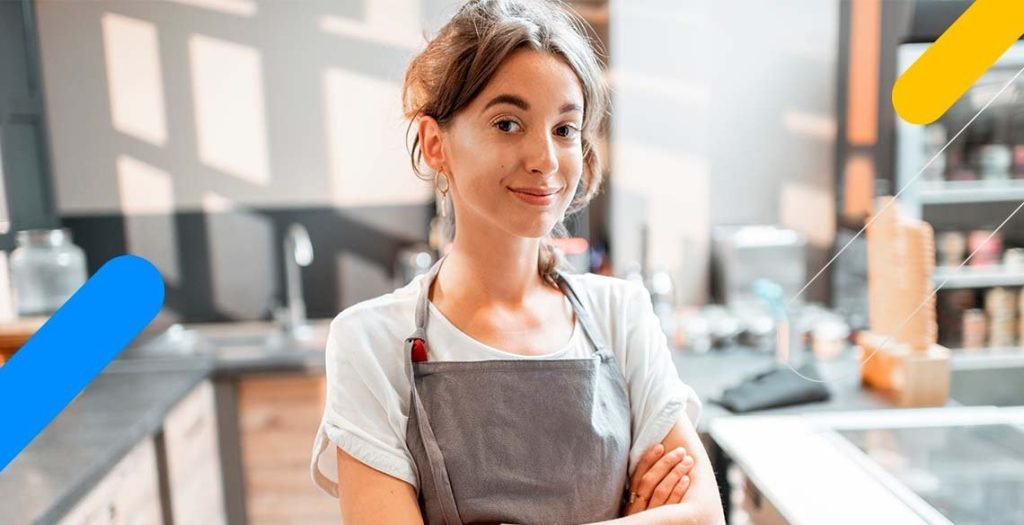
{"x": 514, "y": 154}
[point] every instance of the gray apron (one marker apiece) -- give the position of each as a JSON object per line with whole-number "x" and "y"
{"x": 518, "y": 441}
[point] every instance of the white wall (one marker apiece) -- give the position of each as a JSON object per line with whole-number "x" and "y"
{"x": 223, "y": 106}
{"x": 723, "y": 114}
{"x": 177, "y": 104}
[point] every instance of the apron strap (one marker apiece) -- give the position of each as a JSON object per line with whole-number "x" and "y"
{"x": 423, "y": 301}
{"x": 417, "y": 350}
{"x": 583, "y": 315}
{"x": 437, "y": 467}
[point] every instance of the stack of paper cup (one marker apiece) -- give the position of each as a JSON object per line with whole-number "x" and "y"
{"x": 901, "y": 259}
{"x": 975, "y": 325}
{"x": 1001, "y": 307}
{"x": 920, "y": 331}
{"x": 1020, "y": 326}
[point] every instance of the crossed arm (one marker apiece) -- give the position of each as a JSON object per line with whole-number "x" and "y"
{"x": 367, "y": 495}
{"x": 701, "y": 504}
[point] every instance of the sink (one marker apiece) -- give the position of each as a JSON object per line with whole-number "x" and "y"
{"x": 231, "y": 340}
{"x": 988, "y": 379}
{"x": 248, "y": 340}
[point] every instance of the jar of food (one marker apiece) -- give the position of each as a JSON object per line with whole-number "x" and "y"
{"x": 951, "y": 247}
{"x": 46, "y": 270}
{"x": 986, "y": 247}
{"x": 994, "y": 161}
{"x": 1013, "y": 259}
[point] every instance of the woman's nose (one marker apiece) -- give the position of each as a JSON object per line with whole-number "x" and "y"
{"x": 543, "y": 157}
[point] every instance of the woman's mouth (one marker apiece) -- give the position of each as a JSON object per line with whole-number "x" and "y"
{"x": 536, "y": 196}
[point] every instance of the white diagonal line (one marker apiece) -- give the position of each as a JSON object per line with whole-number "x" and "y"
{"x": 889, "y": 203}
{"x": 905, "y": 186}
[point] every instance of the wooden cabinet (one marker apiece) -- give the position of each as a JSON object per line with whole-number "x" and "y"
{"x": 278, "y": 419}
{"x": 193, "y": 460}
{"x": 129, "y": 494}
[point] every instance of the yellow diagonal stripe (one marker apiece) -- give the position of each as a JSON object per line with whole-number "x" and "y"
{"x": 954, "y": 62}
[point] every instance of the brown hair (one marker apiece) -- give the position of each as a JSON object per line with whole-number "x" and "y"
{"x": 461, "y": 59}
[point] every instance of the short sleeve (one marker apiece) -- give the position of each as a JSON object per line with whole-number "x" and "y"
{"x": 365, "y": 412}
{"x": 658, "y": 397}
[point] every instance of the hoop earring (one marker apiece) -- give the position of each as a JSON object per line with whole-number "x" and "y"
{"x": 442, "y": 188}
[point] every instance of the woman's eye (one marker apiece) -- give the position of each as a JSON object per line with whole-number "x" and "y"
{"x": 508, "y": 126}
{"x": 568, "y": 131}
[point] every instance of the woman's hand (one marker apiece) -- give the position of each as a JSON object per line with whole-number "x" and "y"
{"x": 659, "y": 479}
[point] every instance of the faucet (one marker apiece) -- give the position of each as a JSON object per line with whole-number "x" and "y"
{"x": 773, "y": 295}
{"x": 298, "y": 251}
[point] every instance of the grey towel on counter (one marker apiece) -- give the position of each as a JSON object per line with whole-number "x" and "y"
{"x": 777, "y": 387}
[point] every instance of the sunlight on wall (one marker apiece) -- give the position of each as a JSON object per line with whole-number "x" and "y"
{"x": 231, "y": 7}
{"x": 389, "y": 22}
{"x": 691, "y": 94}
{"x": 143, "y": 188}
{"x": 809, "y": 211}
{"x": 227, "y": 86}
{"x": 810, "y": 125}
{"x": 147, "y": 201}
{"x": 336, "y": 25}
{"x": 367, "y": 155}
{"x": 135, "y": 82}
{"x": 214, "y": 203}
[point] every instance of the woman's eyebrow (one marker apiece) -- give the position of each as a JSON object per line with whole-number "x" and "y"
{"x": 505, "y": 98}
{"x": 520, "y": 103}
{"x": 569, "y": 107}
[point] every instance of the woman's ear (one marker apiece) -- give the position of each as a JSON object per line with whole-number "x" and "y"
{"x": 431, "y": 143}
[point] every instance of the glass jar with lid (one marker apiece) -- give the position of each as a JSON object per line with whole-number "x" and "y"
{"x": 46, "y": 270}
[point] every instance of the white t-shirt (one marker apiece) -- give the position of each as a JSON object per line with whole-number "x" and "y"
{"x": 368, "y": 391}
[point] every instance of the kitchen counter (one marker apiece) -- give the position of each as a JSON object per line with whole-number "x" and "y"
{"x": 114, "y": 413}
{"x": 131, "y": 398}
{"x": 712, "y": 372}
{"x": 128, "y": 402}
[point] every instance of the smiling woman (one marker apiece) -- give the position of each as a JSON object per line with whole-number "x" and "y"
{"x": 504, "y": 143}
{"x": 534, "y": 394}
{"x": 551, "y": 57}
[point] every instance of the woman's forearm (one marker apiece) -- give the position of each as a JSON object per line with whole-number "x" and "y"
{"x": 685, "y": 513}
{"x": 701, "y": 505}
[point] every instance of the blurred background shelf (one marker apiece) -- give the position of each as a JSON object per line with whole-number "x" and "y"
{"x": 971, "y": 191}
{"x": 988, "y": 357}
{"x": 952, "y": 277}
